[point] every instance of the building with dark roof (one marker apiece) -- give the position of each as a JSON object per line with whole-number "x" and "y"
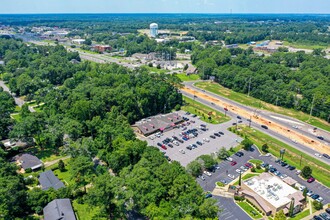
{"x": 157, "y": 123}
{"x": 28, "y": 161}
{"x": 59, "y": 209}
{"x": 48, "y": 180}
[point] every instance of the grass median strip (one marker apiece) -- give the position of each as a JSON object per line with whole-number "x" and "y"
{"x": 203, "y": 112}
{"x": 250, "y": 210}
{"x": 321, "y": 170}
{"x": 256, "y": 103}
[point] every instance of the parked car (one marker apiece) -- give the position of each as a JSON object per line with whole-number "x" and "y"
{"x": 309, "y": 193}
{"x": 164, "y": 147}
{"x": 327, "y": 210}
{"x": 182, "y": 151}
{"x": 325, "y": 216}
{"x": 239, "y": 117}
{"x": 189, "y": 147}
{"x": 311, "y": 179}
{"x": 220, "y": 132}
{"x": 212, "y": 136}
{"x": 233, "y": 163}
{"x": 231, "y": 176}
{"x": 159, "y": 144}
{"x": 216, "y": 134}
{"x": 229, "y": 159}
{"x": 316, "y": 217}
{"x": 326, "y": 156}
{"x": 206, "y": 140}
{"x": 315, "y": 196}
{"x": 238, "y": 171}
{"x": 320, "y": 199}
{"x": 207, "y": 173}
{"x": 199, "y": 143}
{"x": 208, "y": 195}
{"x": 202, "y": 177}
{"x": 170, "y": 145}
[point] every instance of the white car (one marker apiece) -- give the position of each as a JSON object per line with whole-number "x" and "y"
{"x": 207, "y": 173}
{"x": 301, "y": 188}
{"x": 283, "y": 176}
{"x": 176, "y": 143}
{"x": 206, "y": 140}
{"x": 238, "y": 171}
{"x": 268, "y": 154}
{"x": 318, "y": 155}
{"x": 229, "y": 159}
{"x": 243, "y": 168}
{"x": 320, "y": 199}
{"x": 231, "y": 176}
{"x": 310, "y": 193}
{"x": 182, "y": 151}
{"x": 202, "y": 177}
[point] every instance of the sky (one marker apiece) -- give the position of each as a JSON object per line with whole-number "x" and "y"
{"x": 164, "y": 6}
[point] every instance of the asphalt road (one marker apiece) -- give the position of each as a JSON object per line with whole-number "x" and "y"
{"x": 18, "y": 101}
{"x": 285, "y": 139}
{"x": 302, "y": 127}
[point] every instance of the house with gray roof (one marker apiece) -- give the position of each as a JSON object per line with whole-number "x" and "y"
{"x": 59, "y": 209}
{"x": 48, "y": 180}
{"x": 28, "y": 161}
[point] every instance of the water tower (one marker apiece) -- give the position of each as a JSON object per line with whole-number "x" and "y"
{"x": 153, "y": 30}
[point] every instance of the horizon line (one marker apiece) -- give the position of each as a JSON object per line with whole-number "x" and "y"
{"x": 155, "y": 13}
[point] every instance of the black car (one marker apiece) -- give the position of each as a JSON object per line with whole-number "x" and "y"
{"x": 320, "y": 137}
{"x": 199, "y": 143}
{"x": 189, "y": 147}
{"x": 234, "y": 124}
{"x": 326, "y": 156}
{"x": 317, "y": 217}
{"x": 212, "y": 136}
{"x": 292, "y": 167}
{"x": 239, "y": 117}
{"x": 283, "y": 164}
{"x": 264, "y": 126}
{"x": 328, "y": 210}
{"x": 203, "y": 129}
{"x": 170, "y": 145}
{"x": 194, "y": 145}
{"x": 216, "y": 134}
{"x": 159, "y": 144}
{"x": 194, "y": 116}
{"x": 181, "y": 141}
{"x": 238, "y": 154}
{"x": 220, "y": 132}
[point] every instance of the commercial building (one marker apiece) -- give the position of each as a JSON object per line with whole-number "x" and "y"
{"x": 78, "y": 41}
{"x": 102, "y": 48}
{"x": 153, "y": 30}
{"x": 271, "y": 194}
{"x": 59, "y": 209}
{"x": 158, "y": 123}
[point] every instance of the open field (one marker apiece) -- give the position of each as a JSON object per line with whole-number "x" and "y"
{"x": 256, "y": 103}
{"x": 184, "y": 77}
{"x": 154, "y": 69}
{"x": 321, "y": 171}
{"x": 202, "y": 111}
{"x": 307, "y": 46}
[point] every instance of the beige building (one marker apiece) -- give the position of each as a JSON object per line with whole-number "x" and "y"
{"x": 271, "y": 194}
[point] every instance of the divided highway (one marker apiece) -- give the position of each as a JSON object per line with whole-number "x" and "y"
{"x": 284, "y": 139}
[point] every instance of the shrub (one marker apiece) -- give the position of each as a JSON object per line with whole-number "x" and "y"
{"x": 28, "y": 170}
{"x": 239, "y": 198}
{"x": 317, "y": 205}
{"x": 253, "y": 170}
{"x": 220, "y": 184}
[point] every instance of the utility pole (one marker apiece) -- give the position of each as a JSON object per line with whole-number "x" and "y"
{"x": 250, "y": 121}
{"x": 249, "y": 87}
{"x": 310, "y": 115}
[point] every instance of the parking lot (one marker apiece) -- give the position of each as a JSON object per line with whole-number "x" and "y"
{"x": 230, "y": 211}
{"x": 315, "y": 186}
{"x": 183, "y": 155}
{"x": 226, "y": 168}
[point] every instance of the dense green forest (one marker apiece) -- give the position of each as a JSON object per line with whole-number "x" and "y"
{"x": 94, "y": 105}
{"x": 291, "y": 80}
{"x": 7, "y": 106}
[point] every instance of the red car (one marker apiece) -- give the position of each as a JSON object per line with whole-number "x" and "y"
{"x": 233, "y": 163}
{"x": 164, "y": 147}
{"x": 310, "y": 180}
{"x": 248, "y": 165}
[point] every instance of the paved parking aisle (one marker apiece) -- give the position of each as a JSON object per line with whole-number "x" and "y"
{"x": 230, "y": 211}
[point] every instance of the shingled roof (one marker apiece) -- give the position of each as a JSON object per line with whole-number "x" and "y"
{"x": 28, "y": 161}
{"x": 59, "y": 209}
{"x": 49, "y": 180}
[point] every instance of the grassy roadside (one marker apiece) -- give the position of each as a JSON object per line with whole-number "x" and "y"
{"x": 256, "y": 103}
{"x": 186, "y": 78}
{"x": 202, "y": 111}
{"x": 321, "y": 171}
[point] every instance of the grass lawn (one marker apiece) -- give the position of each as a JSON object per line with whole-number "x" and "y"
{"x": 202, "y": 111}
{"x": 301, "y": 215}
{"x": 16, "y": 116}
{"x": 256, "y": 103}
{"x": 64, "y": 176}
{"x": 184, "y": 77}
{"x": 321, "y": 170}
{"x": 307, "y": 46}
{"x": 255, "y": 161}
{"x": 249, "y": 209}
{"x": 85, "y": 211}
{"x": 45, "y": 155}
{"x": 154, "y": 69}
{"x": 247, "y": 176}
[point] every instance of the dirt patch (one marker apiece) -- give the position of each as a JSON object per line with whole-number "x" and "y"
{"x": 285, "y": 131}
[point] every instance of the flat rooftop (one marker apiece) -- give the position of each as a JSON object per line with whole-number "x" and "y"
{"x": 271, "y": 188}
